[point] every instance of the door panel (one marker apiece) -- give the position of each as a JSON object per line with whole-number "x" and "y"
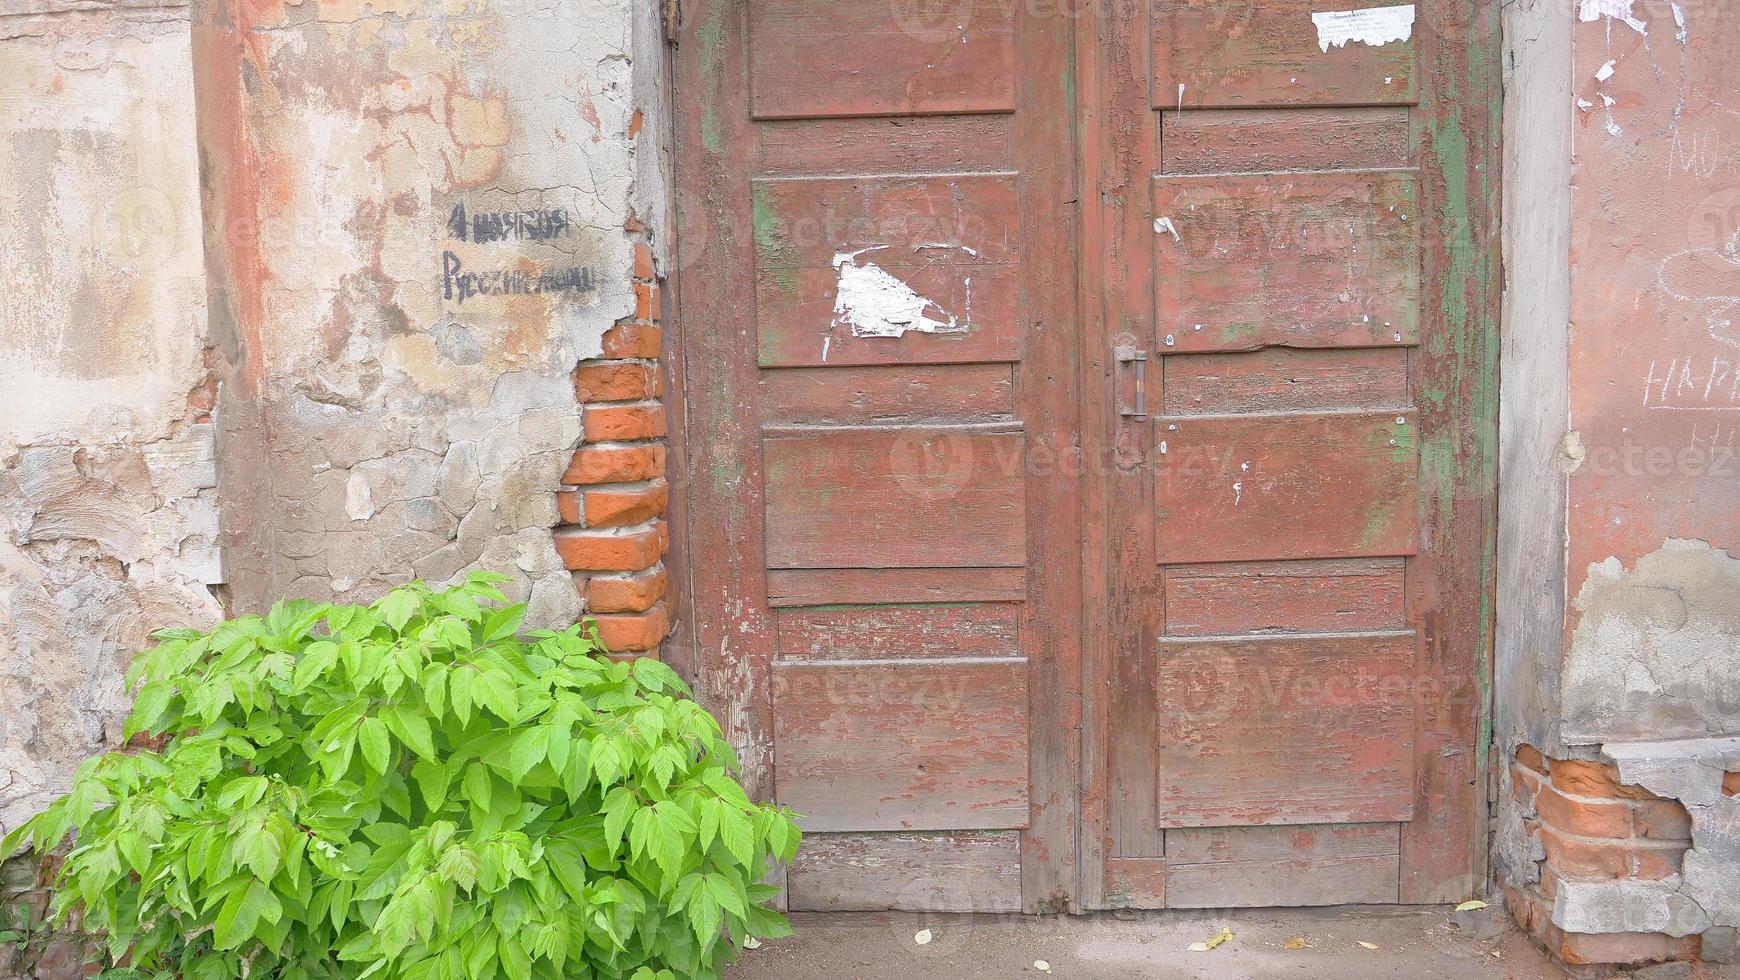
{"x": 1294, "y": 260}
{"x": 877, "y": 286}
{"x": 1248, "y": 487}
{"x": 1281, "y": 52}
{"x": 1293, "y": 248}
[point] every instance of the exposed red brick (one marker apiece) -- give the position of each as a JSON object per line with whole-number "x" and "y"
{"x": 1524, "y": 784}
{"x": 1583, "y": 816}
{"x": 622, "y": 423}
{"x": 646, "y": 302}
{"x": 634, "y": 631}
{"x": 1658, "y": 860}
{"x": 568, "y": 506}
{"x": 643, "y": 257}
{"x": 1574, "y": 857}
{"x": 1731, "y": 783}
{"x": 626, "y": 593}
{"x": 1594, "y": 779}
{"x": 615, "y": 464}
{"x": 607, "y": 550}
{"x": 616, "y": 381}
{"x": 631, "y": 339}
{"x": 1529, "y": 756}
{"x": 621, "y": 506}
{"x": 1625, "y": 948}
{"x": 1661, "y": 820}
{"x": 1534, "y": 915}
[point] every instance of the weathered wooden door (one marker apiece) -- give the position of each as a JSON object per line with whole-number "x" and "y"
{"x": 1295, "y": 202}
{"x": 877, "y": 288}
{"x": 1088, "y": 498}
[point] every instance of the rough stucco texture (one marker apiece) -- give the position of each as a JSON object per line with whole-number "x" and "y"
{"x": 416, "y": 213}
{"x": 1654, "y": 374}
{"x": 108, "y": 513}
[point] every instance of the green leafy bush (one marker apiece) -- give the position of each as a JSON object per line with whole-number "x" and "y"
{"x": 410, "y": 790}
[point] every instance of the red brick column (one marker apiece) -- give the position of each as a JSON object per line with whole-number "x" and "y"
{"x": 613, "y": 534}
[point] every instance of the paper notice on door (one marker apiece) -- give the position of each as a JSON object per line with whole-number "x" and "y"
{"x": 1373, "y": 25}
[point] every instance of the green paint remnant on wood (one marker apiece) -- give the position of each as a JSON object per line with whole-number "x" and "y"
{"x": 711, "y": 35}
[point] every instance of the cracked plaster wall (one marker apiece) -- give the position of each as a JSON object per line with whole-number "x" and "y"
{"x": 377, "y": 422}
{"x": 108, "y": 512}
{"x": 1618, "y": 606}
{"x": 250, "y": 355}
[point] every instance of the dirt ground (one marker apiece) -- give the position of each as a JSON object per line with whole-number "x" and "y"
{"x": 1411, "y": 943}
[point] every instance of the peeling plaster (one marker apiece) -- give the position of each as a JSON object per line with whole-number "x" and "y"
{"x": 108, "y": 507}
{"x": 1656, "y": 652}
{"x": 442, "y": 189}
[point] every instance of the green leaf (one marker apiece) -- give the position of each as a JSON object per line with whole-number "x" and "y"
{"x": 528, "y": 750}
{"x": 502, "y": 623}
{"x": 412, "y": 729}
{"x": 148, "y": 707}
{"x": 241, "y": 914}
{"x": 478, "y": 785}
{"x": 316, "y": 661}
{"x": 397, "y": 606}
{"x": 376, "y": 746}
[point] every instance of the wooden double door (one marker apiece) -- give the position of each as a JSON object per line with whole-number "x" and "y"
{"x": 1088, "y": 442}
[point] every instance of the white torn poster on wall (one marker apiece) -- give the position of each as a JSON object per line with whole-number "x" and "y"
{"x": 1373, "y": 25}
{"x": 875, "y": 303}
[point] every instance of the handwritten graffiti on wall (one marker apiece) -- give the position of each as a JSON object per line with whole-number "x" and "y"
{"x": 526, "y": 276}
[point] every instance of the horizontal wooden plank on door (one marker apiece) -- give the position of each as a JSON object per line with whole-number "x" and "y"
{"x": 902, "y": 744}
{"x": 1264, "y": 487}
{"x": 790, "y": 587}
{"x": 888, "y": 394}
{"x": 1285, "y": 379}
{"x": 908, "y": 497}
{"x": 899, "y": 631}
{"x": 847, "y": 58}
{"x": 1218, "y": 141}
{"x": 1286, "y": 729}
{"x": 962, "y": 871}
{"x": 1243, "y": 261}
{"x": 1330, "y": 595}
{"x": 1246, "y": 867}
{"x": 887, "y": 270}
{"x": 1245, "y": 53}
{"x": 883, "y": 144}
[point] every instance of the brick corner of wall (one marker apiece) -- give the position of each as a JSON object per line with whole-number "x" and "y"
{"x": 614, "y": 497}
{"x": 1594, "y": 832}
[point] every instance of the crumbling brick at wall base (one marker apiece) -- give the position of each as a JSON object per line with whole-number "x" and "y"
{"x": 1599, "y": 836}
{"x": 613, "y": 536}
{"x": 47, "y": 951}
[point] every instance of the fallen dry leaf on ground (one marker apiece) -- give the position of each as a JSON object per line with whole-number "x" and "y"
{"x": 1042, "y": 966}
{"x": 1297, "y": 942}
{"x": 1368, "y": 945}
{"x": 1212, "y": 941}
{"x": 1470, "y": 906}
